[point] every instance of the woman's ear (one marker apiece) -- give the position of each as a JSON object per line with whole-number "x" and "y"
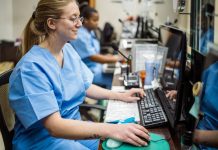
{"x": 51, "y": 23}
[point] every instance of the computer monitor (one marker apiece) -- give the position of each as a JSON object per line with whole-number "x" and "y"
{"x": 199, "y": 64}
{"x": 174, "y": 78}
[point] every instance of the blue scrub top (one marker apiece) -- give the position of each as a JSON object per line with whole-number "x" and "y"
{"x": 207, "y": 37}
{"x": 209, "y": 101}
{"x": 87, "y": 45}
{"x": 209, "y": 104}
{"x": 40, "y": 87}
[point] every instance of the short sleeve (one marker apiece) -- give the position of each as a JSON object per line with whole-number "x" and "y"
{"x": 85, "y": 72}
{"x": 87, "y": 75}
{"x": 83, "y": 45}
{"x": 31, "y": 95}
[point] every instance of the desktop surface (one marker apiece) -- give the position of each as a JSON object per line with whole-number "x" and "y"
{"x": 171, "y": 79}
{"x": 162, "y": 130}
{"x": 165, "y": 129}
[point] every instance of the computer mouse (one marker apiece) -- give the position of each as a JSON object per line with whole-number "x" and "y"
{"x": 147, "y": 141}
{"x": 154, "y": 137}
{"x": 111, "y": 143}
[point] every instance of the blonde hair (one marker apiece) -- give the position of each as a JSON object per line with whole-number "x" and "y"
{"x": 37, "y": 29}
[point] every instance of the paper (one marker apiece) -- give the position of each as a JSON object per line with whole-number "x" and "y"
{"x": 194, "y": 111}
{"x": 118, "y": 88}
{"x": 119, "y": 110}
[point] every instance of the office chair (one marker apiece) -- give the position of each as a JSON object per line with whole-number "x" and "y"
{"x": 6, "y": 125}
{"x": 84, "y": 109}
{"x": 106, "y": 37}
{"x": 6, "y": 114}
{"x": 9, "y": 52}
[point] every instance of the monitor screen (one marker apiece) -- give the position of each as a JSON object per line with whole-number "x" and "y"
{"x": 174, "y": 39}
{"x": 197, "y": 65}
{"x": 171, "y": 37}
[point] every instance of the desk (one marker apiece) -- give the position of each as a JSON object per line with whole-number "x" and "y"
{"x": 173, "y": 140}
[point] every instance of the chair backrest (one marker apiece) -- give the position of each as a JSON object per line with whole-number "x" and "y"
{"x": 9, "y": 52}
{"x": 6, "y": 114}
{"x": 107, "y": 33}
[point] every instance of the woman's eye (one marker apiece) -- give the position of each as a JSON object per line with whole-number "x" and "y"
{"x": 73, "y": 19}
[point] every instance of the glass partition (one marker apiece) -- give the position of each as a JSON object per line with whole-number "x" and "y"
{"x": 202, "y": 24}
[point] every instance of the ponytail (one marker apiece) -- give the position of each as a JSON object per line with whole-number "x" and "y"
{"x": 30, "y": 37}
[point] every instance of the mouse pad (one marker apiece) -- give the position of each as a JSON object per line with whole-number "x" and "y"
{"x": 157, "y": 142}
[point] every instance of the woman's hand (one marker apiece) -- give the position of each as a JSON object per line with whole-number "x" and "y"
{"x": 131, "y": 133}
{"x": 130, "y": 95}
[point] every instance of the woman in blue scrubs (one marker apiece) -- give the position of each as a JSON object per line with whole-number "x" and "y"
{"x": 50, "y": 82}
{"x": 88, "y": 48}
{"x": 206, "y": 133}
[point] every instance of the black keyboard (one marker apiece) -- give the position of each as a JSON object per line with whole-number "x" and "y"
{"x": 150, "y": 110}
{"x": 167, "y": 103}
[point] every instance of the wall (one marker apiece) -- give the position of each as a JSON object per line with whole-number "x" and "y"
{"x": 160, "y": 15}
{"x": 23, "y": 10}
{"x": 160, "y": 12}
{"x": 6, "y": 21}
{"x": 111, "y": 12}
{"x": 15, "y": 14}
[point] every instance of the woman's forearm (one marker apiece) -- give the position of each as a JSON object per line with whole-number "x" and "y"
{"x": 74, "y": 129}
{"x": 104, "y": 58}
{"x": 206, "y": 137}
{"x": 99, "y": 93}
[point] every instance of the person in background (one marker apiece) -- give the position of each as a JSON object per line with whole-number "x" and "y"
{"x": 88, "y": 47}
{"x": 207, "y": 27}
{"x": 50, "y": 82}
{"x": 206, "y": 133}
